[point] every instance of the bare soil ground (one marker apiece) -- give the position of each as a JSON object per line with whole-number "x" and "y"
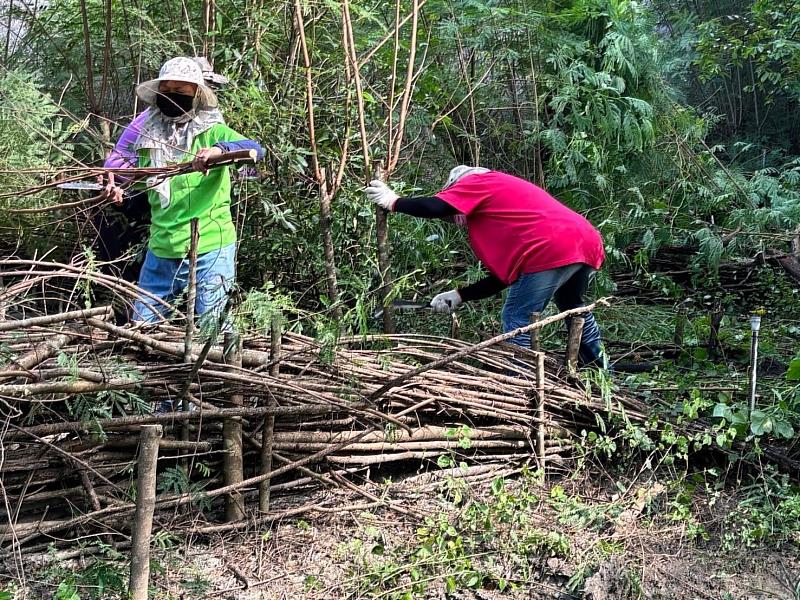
{"x": 633, "y": 551}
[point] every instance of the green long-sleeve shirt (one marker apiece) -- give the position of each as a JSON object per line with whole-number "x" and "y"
{"x": 206, "y": 197}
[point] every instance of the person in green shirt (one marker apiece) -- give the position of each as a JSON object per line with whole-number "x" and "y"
{"x": 185, "y": 124}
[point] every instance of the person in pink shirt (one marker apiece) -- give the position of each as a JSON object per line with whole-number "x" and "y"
{"x": 530, "y": 242}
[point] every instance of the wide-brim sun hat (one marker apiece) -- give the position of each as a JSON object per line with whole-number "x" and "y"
{"x": 209, "y": 74}
{"x": 182, "y": 69}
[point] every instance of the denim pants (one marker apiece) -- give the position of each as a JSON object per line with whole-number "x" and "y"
{"x": 168, "y": 278}
{"x": 566, "y": 285}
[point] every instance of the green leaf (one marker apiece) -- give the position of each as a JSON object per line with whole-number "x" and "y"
{"x": 723, "y": 411}
{"x": 497, "y": 485}
{"x": 784, "y": 429}
{"x": 761, "y": 422}
{"x": 444, "y": 461}
{"x": 473, "y": 579}
{"x": 793, "y": 373}
{"x": 67, "y": 590}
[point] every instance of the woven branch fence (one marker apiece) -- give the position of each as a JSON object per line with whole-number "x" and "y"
{"x": 248, "y": 417}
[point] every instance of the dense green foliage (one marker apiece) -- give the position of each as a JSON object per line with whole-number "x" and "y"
{"x": 665, "y": 123}
{"x": 638, "y": 116}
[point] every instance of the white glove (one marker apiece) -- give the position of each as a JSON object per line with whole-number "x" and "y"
{"x": 381, "y": 194}
{"x": 446, "y": 301}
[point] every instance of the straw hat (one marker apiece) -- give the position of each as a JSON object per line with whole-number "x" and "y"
{"x": 179, "y": 69}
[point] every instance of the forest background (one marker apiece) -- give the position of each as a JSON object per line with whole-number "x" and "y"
{"x": 664, "y": 123}
{"x": 669, "y": 124}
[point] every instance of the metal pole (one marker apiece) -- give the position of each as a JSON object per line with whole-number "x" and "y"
{"x": 755, "y": 326}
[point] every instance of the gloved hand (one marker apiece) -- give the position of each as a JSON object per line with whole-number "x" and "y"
{"x": 381, "y": 194}
{"x": 446, "y": 301}
{"x": 111, "y": 191}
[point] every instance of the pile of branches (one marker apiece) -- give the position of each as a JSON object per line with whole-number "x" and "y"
{"x": 243, "y": 418}
{"x": 76, "y": 388}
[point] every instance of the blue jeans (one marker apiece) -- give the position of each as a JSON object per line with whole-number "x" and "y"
{"x": 167, "y": 278}
{"x": 566, "y": 285}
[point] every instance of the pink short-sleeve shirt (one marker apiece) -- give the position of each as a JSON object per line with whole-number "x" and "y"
{"x": 516, "y": 227}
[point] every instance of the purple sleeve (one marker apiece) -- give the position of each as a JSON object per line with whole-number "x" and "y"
{"x": 242, "y": 145}
{"x": 124, "y": 156}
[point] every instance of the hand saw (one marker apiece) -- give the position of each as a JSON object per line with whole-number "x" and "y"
{"x": 403, "y": 306}
{"x": 226, "y": 158}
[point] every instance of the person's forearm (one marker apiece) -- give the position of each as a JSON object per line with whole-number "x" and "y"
{"x": 426, "y": 207}
{"x": 486, "y": 287}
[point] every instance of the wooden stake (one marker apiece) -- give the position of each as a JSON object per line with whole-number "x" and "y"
{"x": 680, "y": 325}
{"x": 191, "y": 296}
{"x": 191, "y": 291}
{"x": 384, "y": 257}
{"x": 455, "y": 325}
{"x": 145, "y": 506}
{"x": 540, "y": 411}
{"x": 713, "y": 334}
{"x": 268, "y": 427}
{"x": 232, "y": 436}
{"x": 574, "y": 342}
{"x": 535, "y": 316}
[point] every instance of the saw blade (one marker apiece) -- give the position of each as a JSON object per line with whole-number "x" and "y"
{"x": 80, "y": 185}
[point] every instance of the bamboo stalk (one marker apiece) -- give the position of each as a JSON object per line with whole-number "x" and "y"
{"x": 53, "y": 319}
{"x": 40, "y": 353}
{"x": 485, "y": 344}
{"x": 374, "y": 447}
{"x": 81, "y": 426}
{"x": 423, "y": 433}
{"x": 319, "y": 171}
{"x": 27, "y": 390}
{"x": 421, "y": 455}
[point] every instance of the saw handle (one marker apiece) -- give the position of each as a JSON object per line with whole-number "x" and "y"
{"x": 230, "y": 158}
